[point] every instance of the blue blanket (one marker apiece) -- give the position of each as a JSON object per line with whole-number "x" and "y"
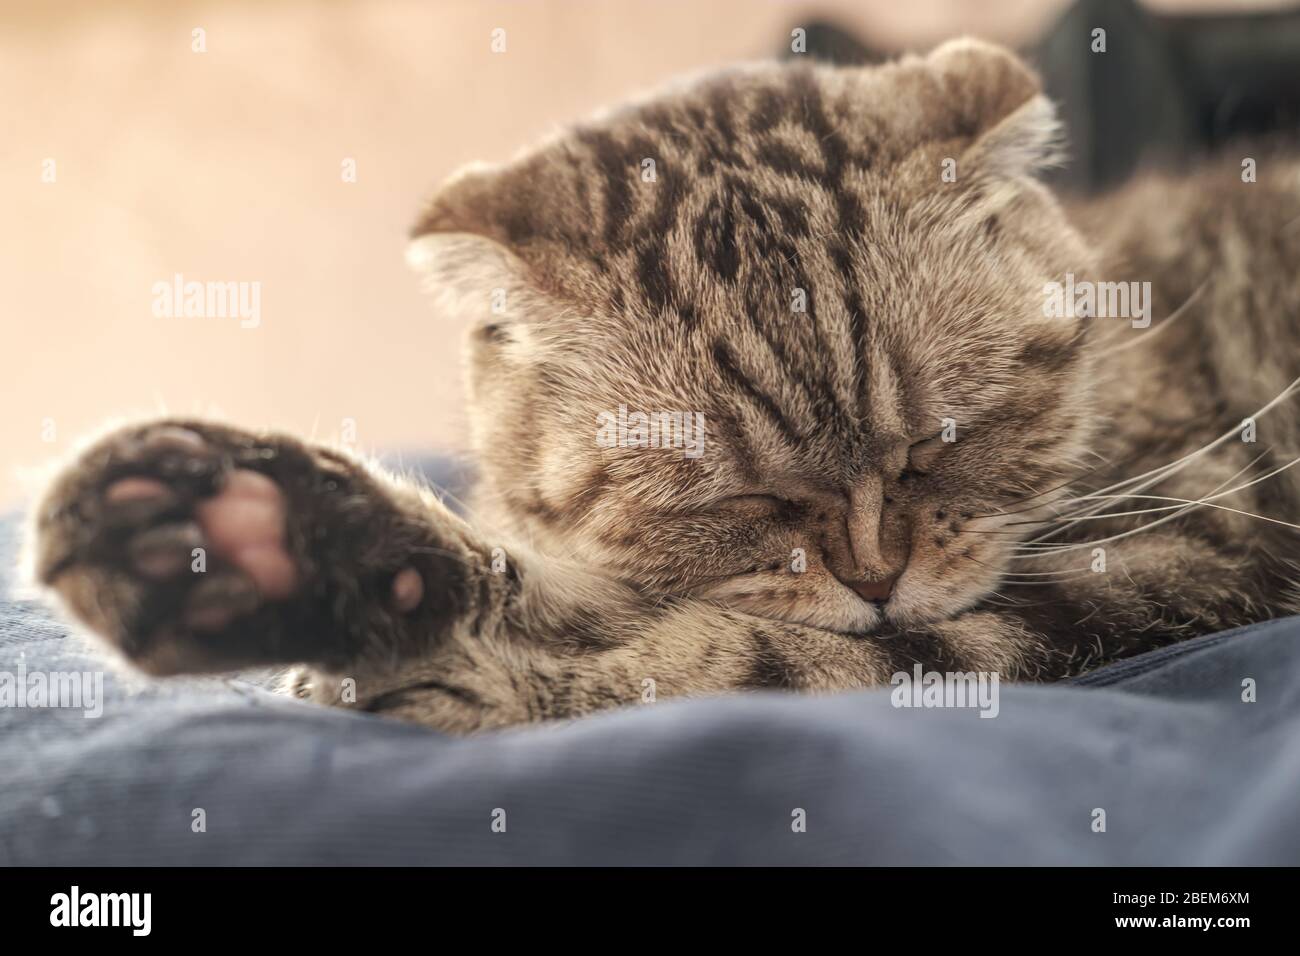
{"x": 1162, "y": 751}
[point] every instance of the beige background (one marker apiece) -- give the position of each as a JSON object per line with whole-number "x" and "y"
{"x": 226, "y": 166}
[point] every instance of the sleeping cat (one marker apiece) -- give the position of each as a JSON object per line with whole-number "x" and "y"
{"x": 906, "y": 455}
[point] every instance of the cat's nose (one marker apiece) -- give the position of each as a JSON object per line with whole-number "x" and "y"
{"x": 877, "y": 592}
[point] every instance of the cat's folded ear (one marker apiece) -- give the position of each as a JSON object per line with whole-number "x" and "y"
{"x": 996, "y": 100}
{"x": 464, "y": 264}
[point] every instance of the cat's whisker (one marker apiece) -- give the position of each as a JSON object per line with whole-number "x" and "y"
{"x": 1002, "y": 514}
{"x": 1073, "y": 480}
{"x": 1196, "y": 503}
{"x": 1025, "y": 574}
{"x": 1215, "y": 494}
{"x": 1155, "y": 330}
{"x": 996, "y": 531}
{"x": 1036, "y": 549}
{"x": 1063, "y": 502}
{"x": 1187, "y": 501}
{"x": 1062, "y": 573}
{"x": 1192, "y": 505}
{"x": 1219, "y": 494}
{"x": 1187, "y": 427}
{"x": 1155, "y": 476}
{"x": 1019, "y": 579}
{"x": 1049, "y": 583}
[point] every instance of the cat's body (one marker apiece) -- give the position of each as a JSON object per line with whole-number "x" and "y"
{"x": 841, "y": 271}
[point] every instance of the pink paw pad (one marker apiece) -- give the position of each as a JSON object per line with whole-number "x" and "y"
{"x": 136, "y": 489}
{"x": 408, "y": 590}
{"x": 245, "y": 524}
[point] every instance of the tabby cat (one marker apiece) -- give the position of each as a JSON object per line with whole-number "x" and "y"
{"x": 905, "y": 457}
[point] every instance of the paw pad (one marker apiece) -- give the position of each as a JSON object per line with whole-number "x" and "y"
{"x": 408, "y": 590}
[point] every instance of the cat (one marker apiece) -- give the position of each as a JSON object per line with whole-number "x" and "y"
{"x": 907, "y": 456}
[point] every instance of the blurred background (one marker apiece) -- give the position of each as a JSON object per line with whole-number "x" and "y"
{"x": 129, "y": 156}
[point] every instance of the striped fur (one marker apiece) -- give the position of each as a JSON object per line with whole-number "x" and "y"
{"x": 592, "y": 285}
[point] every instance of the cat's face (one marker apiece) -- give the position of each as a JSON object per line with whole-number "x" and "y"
{"x": 837, "y": 277}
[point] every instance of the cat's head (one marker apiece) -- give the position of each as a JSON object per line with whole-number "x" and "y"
{"x": 841, "y": 271}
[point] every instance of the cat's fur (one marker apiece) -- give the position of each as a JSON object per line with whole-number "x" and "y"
{"x": 626, "y": 569}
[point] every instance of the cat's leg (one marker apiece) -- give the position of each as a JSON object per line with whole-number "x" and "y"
{"x": 1142, "y": 592}
{"x": 611, "y": 650}
{"x": 579, "y": 663}
{"x": 195, "y": 547}
{"x": 526, "y": 669}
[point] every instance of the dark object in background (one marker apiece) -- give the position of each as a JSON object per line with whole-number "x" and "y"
{"x": 1167, "y": 90}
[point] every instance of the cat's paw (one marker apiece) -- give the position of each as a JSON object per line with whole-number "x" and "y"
{"x": 195, "y": 547}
